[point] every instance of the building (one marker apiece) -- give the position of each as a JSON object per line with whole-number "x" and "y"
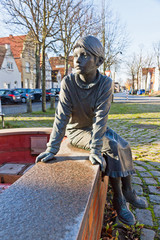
{"x": 48, "y": 73}
{"x": 23, "y": 50}
{"x": 58, "y": 68}
{"x": 10, "y": 76}
{"x": 149, "y": 79}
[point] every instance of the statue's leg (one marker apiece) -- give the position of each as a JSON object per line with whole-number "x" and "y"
{"x": 119, "y": 202}
{"x": 130, "y": 194}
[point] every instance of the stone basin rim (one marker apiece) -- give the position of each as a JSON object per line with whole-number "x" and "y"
{"x": 20, "y": 131}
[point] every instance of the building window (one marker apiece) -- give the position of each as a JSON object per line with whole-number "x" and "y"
{"x": 7, "y": 85}
{"x": 26, "y": 83}
{"x": 34, "y": 69}
{"x": 27, "y": 67}
{"x": 15, "y": 84}
{"x": 9, "y": 65}
{"x": 59, "y": 66}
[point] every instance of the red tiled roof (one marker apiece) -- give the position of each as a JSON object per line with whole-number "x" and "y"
{"x": 58, "y": 61}
{"x": 2, "y": 54}
{"x": 16, "y": 44}
{"x": 145, "y": 71}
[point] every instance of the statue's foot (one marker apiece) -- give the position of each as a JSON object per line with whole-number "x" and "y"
{"x": 124, "y": 214}
{"x": 133, "y": 199}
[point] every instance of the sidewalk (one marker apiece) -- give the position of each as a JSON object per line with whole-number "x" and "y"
{"x": 146, "y": 182}
{"x": 141, "y": 129}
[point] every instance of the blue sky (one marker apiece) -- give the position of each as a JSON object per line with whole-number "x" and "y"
{"x": 142, "y": 19}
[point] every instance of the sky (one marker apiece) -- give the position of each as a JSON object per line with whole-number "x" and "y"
{"x": 142, "y": 20}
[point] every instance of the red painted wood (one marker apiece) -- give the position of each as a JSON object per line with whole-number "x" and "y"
{"x": 17, "y": 148}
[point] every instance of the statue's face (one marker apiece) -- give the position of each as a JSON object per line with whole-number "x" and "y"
{"x": 84, "y": 61}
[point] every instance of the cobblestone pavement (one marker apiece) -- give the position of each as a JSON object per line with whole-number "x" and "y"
{"x": 146, "y": 182}
{"x": 142, "y": 131}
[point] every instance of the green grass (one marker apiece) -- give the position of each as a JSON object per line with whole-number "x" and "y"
{"x": 134, "y": 108}
{"x": 139, "y": 124}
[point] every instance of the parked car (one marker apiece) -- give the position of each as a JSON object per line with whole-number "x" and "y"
{"x": 37, "y": 93}
{"x": 25, "y": 93}
{"x": 9, "y": 96}
{"x": 140, "y": 91}
{"x": 53, "y": 92}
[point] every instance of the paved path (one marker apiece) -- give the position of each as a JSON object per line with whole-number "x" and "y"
{"x": 22, "y": 108}
{"x": 127, "y": 98}
{"x": 146, "y": 182}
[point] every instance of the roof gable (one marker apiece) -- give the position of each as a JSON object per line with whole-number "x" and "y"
{"x": 16, "y": 45}
{"x": 2, "y": 54}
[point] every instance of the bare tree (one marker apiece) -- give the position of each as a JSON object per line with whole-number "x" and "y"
{"x": 37, "y": 17}
{"x": 156, "y": 47}
{"x": 76, "y": 19}
{"x": 148, "y": 63}
{"x": 114, "y": 36}
{"x": 132, "y": 69}
{"x": 139, "y": 59}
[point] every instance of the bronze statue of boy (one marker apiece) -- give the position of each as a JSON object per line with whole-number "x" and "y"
{"x": 82, "y": 112}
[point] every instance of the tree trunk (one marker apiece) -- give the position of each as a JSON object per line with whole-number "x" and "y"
{"x": 132, "y": 83}
{"x": 66, "y": 65}
{"x": 38, "y": 72}
{"x": 43, "y": 78}
{"x": 137, "y": 81}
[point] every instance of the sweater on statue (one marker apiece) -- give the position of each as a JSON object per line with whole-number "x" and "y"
{"x": 82, "y": 114}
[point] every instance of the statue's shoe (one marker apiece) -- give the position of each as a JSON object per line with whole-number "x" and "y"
{"x": 133, "y": 199}
{"x": 123, "y": 212}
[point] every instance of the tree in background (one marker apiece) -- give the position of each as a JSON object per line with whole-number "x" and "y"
{"x": 114, "y": 36}
{"x": 156, "y": 48}
{"x": 39, "y": 17}
{"x": 76, "y": 18}
{"x": 131, "y": 65}
{"x": 139, "y": 65}
{"x": 148, "y": 63}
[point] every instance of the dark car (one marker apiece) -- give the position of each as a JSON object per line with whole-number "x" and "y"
{"x": 25, "y": 94}
{"x": 37, "y": 93}
{"x": 9, "y": 96}
{"x": 53, "y": 92}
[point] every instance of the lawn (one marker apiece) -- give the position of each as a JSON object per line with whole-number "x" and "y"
{"x": 139, "y": 124}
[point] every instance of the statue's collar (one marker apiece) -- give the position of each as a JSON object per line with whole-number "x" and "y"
{"x": 85, "y": 85}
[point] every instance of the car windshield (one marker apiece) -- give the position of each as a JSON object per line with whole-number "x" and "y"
{"x": 20, "y": 90}
{"x": 37, "y": 90}
{"x": 2, "y": 92}
{"x": 15, "y": 92}
{"x": 29, "y": 90}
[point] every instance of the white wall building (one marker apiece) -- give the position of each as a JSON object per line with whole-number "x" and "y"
{"x": 10, "y": 77}
{"x": 157, "y": 79}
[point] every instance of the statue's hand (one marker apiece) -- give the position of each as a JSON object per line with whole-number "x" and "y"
{"x": 98, "y": 158}
{"x": 44, "y": 157}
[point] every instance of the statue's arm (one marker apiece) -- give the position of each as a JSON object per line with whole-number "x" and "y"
{"x": 101, "y": 111}
{"x": 62, "y": 116}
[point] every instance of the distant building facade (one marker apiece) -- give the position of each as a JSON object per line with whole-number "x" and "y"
{"x": 58, "y": 69}
{"x": 10, "y": 76}
{"x": 23, "y": 50}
